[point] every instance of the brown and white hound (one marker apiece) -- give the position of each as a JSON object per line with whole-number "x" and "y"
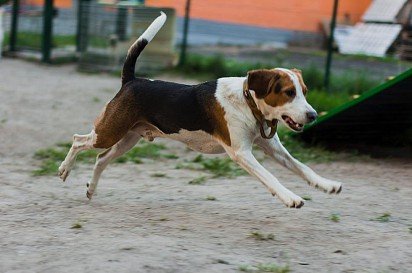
{"x": 225, "y": 115}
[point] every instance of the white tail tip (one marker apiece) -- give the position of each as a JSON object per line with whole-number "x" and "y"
{"x": 154, "y": 27}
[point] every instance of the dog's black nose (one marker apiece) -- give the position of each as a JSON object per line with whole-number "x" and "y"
{"x": 311, "y": 116}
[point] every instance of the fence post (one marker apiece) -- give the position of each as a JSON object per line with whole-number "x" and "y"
{"x": 14, "y": 25}
{"x": 121, "y": 22}
{"x": 83, "y": 10}
{"x": 330, "y": 45}
{"x": 182, "y": 58}
{"x": 47, "y": 31}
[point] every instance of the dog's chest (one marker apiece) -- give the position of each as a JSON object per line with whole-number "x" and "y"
{"x": 197, "y": 140}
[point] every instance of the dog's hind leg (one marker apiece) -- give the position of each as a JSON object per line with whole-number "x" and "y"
{"x": 80, "y": 143}
{"x": 274, "y": 148}
{"x": 103, "y": 159}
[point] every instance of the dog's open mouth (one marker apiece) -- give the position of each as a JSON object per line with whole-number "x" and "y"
{"x": 292, "y": 124}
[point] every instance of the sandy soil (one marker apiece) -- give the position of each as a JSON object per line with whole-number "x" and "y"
{"x": 138, "y": 223}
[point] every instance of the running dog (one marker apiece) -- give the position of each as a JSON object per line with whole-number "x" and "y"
{"x": 225, "y": 115}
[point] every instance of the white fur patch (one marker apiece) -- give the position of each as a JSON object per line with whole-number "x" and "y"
{"x": 154, "y": 27}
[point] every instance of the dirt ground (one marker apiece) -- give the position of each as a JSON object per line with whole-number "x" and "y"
{"x": 140, "y": 223}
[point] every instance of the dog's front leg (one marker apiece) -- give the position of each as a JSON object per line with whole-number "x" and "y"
{"x": 275, "y": 149}
{"x": 247, "y": 161}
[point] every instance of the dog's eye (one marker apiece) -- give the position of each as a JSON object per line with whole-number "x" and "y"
{"x": 290, "y": 93}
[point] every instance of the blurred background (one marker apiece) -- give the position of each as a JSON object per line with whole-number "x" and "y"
{"x": 164, "y": 208}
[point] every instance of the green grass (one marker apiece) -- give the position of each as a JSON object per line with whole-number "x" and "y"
{"x": 50, "y": 158}
{"x": 384, "y": 218}
{"x": 33, "y": 40}
{"x": 346, "y": 84}
{"x": 219, "y": 167}
{"x": 158, "y": 175}
{"x": 307, "y": 197}
{"x": 76, "y": 226}
{"x": 259, "y": 236}
{"x": 198, "y": 180}
{"x": 265, "y": 267}
{"x": 334, "y": 217}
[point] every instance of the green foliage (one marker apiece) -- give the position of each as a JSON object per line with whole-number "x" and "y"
{"x": 219, "y": 167}
{"x": 383, "y": 218}
{"x": 307, "y": 197}
{"x": 265, "y": 267}
{"x": 198, "y": 181}
{"x": 158, "y": 175}
{"x": 143, "y": 150}
{"x": 342, "y": 86}
{"x": 272, "y": 267}
{"x": 34, "y": 40}
{"x": 323, "y": 101}
{"x": 76, "y": 226}
{"x": 304, "y": 152}
{"x": 50, "y": 158}
{"x": 217, "y": 66}
{"x": 335, "y": 217}
{"x": 259, "y": 236}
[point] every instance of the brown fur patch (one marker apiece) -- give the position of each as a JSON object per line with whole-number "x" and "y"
{"x": 299, "y": 75}
{"x": 221, "y": 130}
{"x": 272, "y": 86}
{"x": 115, "y": 121}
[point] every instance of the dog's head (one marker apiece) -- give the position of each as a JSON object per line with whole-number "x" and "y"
{"x": 280, "y": 94}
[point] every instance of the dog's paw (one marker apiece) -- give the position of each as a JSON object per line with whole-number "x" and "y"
{"x": 330, "y": 186}
{"x": 291, "y": 200}
{"x": 64, "y": 171}
{"x": 89, "y": 194}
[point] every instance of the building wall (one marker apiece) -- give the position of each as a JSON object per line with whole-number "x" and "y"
{"x": 57, "y": 3}
{"x": 298, "y": 15}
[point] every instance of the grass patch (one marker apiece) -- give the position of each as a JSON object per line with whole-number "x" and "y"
{"x": 50, "y": 158}
{"x": 33, "y": 40}
{"x": 76, "y": 226}
{"x": 272, "y": 267}
{"x": 265, "y": 267}
{"x": 210, "y": 198}
{"x": 334, "y": 217}
{"x": 219, "y": 167}
{"x": 384, "y": 218}
{"x": 259, "y": 236}
{"x": 158, "y": 175}
{"x": 307, "y": 197}
{"x": 246, "y": 268}
{"x": 198, "y": 181}
{"x": 351, "y": 82}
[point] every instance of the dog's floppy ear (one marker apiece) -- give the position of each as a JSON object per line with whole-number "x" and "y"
{"x": 298, "y": 73}
{"x": 261, "y": 81}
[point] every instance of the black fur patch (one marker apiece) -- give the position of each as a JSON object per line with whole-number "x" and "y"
{"x": 130, "y": 62}
{"x": 173, "y": 106}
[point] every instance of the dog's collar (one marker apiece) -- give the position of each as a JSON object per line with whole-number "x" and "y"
{"x": 260, "y": 118}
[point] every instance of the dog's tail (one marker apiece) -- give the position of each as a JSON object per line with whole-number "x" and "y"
{"x": 138, "y": 46}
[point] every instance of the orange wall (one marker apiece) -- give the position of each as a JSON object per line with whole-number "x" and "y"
{"x": 57, "y": 3}
{"x": 303, "y": 15}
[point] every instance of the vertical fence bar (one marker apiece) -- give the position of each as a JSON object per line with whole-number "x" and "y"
{"x": 14, "y": 26}
{"x": 121, "y": 22}
{"x": 330, "y": 45}
{"x": 83, "y": 12}
{"x": 182, "y": 58}
{"x": 47, "y": 31}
